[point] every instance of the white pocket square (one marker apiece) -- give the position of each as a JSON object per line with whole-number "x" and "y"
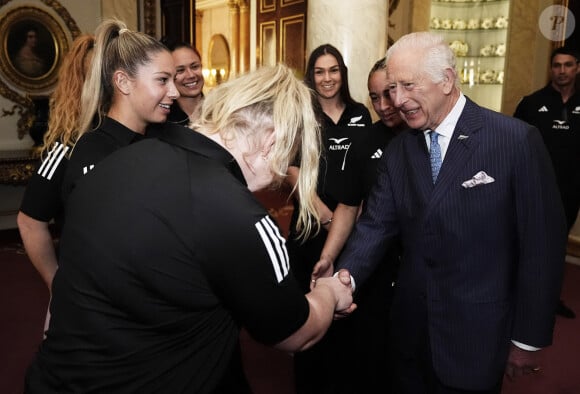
{"x": 481, "y": 178}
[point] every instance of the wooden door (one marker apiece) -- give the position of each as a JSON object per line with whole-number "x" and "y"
{"x": 281, "y": 33}
{"x": 178, "y": 20}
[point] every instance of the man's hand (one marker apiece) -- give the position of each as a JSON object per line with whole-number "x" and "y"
{"x": 522, "y": 362}
{"x": 343, "y": 277}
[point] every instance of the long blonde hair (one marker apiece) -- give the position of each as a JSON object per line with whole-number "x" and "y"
{"x": 65, "y": 103}
{"x": 116, "y": 48}
{"x": 265, "y": 98}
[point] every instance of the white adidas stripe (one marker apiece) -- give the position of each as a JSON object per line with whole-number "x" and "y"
{"x": 275, "y": 245}
{"x": 52, "y": 161}
{"x": 378, "y": 154}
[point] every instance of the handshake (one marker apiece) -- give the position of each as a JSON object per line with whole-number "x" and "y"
{"x": 342, "y": 287}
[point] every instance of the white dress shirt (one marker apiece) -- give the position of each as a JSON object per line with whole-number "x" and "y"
{"x": 447, "y": 126}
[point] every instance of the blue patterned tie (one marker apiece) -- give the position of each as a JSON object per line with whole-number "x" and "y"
{"x": 435, "y": 155}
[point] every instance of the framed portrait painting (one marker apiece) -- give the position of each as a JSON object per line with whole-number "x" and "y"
{"x": 33, "y": 44}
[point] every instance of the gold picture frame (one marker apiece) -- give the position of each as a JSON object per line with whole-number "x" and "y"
{"x": 57, "y": 29}
{"x": 33, "y": 45}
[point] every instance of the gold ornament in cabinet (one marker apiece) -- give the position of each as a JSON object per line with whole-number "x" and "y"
{"x": 476, "y": 31}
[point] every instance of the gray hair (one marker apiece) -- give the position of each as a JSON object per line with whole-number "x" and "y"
{"x": 436, "y": 54}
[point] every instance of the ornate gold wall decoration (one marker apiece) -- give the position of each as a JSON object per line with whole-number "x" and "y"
{"x": 31, "y": 84}
{"x": 44, "y": 41}
{"x": 66, "y": 17}
{"x": 17, "y": 168}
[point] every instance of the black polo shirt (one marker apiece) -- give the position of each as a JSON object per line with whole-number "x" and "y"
{"x": 339, "y": 177}
{"x": 370, "y": 150}
{"x": 165, "y": 254}
{"x": 177, "y": 115}
{"x": 93, "y": 146}
{"x": 339, "y": 180}
{"x": 42, "y": 198}
{"x": 559, "y": 124}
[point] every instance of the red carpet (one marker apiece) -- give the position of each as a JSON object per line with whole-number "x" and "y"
{"x": 561, "y": 367}
{"x": 23, "y": 300}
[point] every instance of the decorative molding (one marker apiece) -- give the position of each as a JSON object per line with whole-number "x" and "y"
{"x": 207, "y": 4}
{"x": 24, "y": 106}
{"x": 267, "y": 5}
{"x": 267, "y": 44}
{"x": 26, "y": 117}
{"x": 17, "y": 167}
{"x": 292, "y": 35}
{"x": 61, "y": 11}
{"x": 287, "y": 3}
{"x": 65, "y": 15}
{"x": 150, "y": 17}
{"x": 52, "y": 39}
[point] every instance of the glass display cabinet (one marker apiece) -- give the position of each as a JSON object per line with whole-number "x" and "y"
{"x": 477, "y": 31}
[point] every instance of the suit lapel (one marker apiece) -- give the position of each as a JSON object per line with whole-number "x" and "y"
{"x": 463, "y": 143}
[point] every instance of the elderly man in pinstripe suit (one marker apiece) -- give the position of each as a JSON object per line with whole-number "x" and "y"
{"x": 481, "y": 223}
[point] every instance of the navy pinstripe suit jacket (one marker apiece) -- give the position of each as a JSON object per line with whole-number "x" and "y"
{"x": 481, "y": 265}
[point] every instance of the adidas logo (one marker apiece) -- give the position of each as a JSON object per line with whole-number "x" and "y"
{"x": 543, "y": 109}
{"x": 86, "y": 169}
{"x": 377, "y": 155}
